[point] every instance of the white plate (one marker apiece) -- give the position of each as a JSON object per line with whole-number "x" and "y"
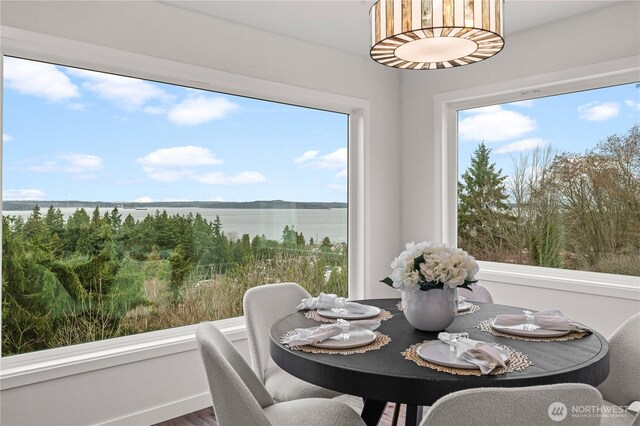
{"x": 438, "y": 352}
{"x": 356, "y": 339}
{"x": 520, "y": 330}
{"x": 464, "y": 306}
{"x": 371, "y": 312}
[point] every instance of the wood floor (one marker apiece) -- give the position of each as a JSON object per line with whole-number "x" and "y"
{"x": 207, "y": 418}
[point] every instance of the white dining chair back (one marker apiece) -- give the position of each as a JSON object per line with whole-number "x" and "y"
{"x": 237, "y": 394}
{"x": 240, "y": 399}
{"x": 535, "y": 405}
{"x": 479, "y": 294}
{"x": 622, "y": 386}
{"x": 264, "y": 305}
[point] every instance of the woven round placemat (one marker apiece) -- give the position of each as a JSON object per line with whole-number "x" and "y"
{"x": 314, "y": 315}
{"x": 486, "y": 327}
{"x": 381, "y": 340}
{"x": 517, "y": 361}
{"x": 472, "y": 309}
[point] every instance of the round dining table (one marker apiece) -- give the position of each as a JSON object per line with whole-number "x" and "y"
{"x": 384, "y": 375}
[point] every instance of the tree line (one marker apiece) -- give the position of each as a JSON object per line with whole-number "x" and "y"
{"x": 567, "y": 210}
{"x": 96, "y": 276}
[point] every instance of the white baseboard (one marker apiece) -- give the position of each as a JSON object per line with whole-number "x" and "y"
{"x": 164, "y": 412}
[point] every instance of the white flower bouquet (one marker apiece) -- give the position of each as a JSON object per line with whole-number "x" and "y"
{"x": 428, "y": 265}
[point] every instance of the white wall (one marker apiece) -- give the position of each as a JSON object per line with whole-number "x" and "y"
{"x": 146, "y": 391}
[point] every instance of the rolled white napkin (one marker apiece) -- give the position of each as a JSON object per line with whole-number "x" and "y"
{"x": 307, "y": 336}
{"x": 551, "y": 319}
{"x": 483, "y": 354}
{"x": 329, "y": 301}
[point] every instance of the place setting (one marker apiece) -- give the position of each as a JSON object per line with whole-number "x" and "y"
{"x": 456, "y": 353}
{"x": 342, "y": 337}
{"x": 330, "y": 307}
{"x": 544, "y": 326}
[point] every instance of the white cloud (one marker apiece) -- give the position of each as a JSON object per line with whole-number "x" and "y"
{"x": 342, "y": 173}
{"x": 494, "y": 124}
{"x": 522, "y": 145}
{"x": 128, "y": 92}
{"x": 142, "y": 200}
{"x": 6, "y": 137}
{"x": 80, "y": 164}
{"x": 180, "y": 156}
{"x": 309, "y": 155}
{"x": 596, "y": 111}
{"x": 167, "y": 175}
{"x": 38, "y": 79}
{"x": 76, "y": 106}
{"x": 338, "y": 187}
{"x": 155, "y": 110}
{"x": 186, "y": 162}
{"x": 632, "y": 104}
{"x": 23, "y": 194}
{"x": 201, "y": 109}
{"x": 334, "y": 160}
{"x": 523, "y": 104}
{"x": 217, "y": 199}
{"x": 218, "y": 178}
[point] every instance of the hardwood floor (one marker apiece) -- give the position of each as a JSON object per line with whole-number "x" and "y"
{"x": 207, "y": 418}
{"x": 198, "y": 418}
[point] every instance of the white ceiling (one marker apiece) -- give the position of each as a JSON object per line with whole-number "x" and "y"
{"x": 344, "y": 24}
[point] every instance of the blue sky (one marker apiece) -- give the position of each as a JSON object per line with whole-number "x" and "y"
{"x": 571, "y": 123}
{"x": 71, "y": 134}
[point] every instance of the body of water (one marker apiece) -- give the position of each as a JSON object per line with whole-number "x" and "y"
{"x": 313, "y": 223}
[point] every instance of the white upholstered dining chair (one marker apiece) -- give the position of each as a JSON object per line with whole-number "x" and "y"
{"x": 515, "y": 406}
{"x": 239, "y": 398}
{"x": 263, "y": 305}
{"x": 622, "y": 386}
{"x": 479, "y": 293}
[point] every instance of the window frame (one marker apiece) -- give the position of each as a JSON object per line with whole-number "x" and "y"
{"x": 24, "y": 369}
{"x": 446, "y": 107}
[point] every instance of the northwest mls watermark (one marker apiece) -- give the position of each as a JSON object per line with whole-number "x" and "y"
{"x": 558, "y": 411}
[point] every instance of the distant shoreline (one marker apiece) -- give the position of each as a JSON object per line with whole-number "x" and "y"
{"x": 23, "y": 205}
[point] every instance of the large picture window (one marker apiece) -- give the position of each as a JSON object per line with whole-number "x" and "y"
{"x": 553, "y": 181}
{"x": 131, "y": 205}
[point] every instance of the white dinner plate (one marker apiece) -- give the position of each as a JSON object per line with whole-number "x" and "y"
{"x": 356, "y": 339}
{"x": 438, "y": 352}
{"x": 521, "y": 330}
{"x": 371, "y": 312}
{"x": 464, "y": 306}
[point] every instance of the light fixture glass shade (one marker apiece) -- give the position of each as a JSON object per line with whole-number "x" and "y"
{"x": 435, "y": 34}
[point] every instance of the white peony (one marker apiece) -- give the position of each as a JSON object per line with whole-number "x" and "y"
{"x": 438, "y": 263}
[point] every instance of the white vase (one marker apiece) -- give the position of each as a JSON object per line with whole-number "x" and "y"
{"x": 431, "y": 310}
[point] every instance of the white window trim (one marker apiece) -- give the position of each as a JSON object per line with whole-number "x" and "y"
{"x": 19, "y": 370}
{"x": 446, "y": 106}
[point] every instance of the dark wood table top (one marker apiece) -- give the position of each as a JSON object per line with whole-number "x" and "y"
{"x": 384, "y": 374}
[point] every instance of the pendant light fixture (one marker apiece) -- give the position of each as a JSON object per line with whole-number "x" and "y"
{"x": 435, "y": 34}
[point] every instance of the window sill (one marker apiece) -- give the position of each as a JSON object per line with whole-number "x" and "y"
{"x": 25, "y": 369}
{"x": 584, "y": 282}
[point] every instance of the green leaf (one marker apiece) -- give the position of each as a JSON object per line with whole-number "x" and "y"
{"x": 388, "y": 281}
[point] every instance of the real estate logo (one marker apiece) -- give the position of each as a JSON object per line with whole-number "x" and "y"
{"x": 557, "y": 411}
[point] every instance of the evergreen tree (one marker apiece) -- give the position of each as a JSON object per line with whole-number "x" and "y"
{"x": 77, "y": 235}
{"x": 289, "y": 235}
{"x": 54, "y": 220}
{"x": 482, "y": 207}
